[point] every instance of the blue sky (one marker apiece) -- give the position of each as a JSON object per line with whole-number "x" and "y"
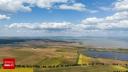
{"x": 63, "y": 18}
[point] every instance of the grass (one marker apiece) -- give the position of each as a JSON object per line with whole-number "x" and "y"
{"x": 84, "y": 59}
{"x": 52, "y": 61}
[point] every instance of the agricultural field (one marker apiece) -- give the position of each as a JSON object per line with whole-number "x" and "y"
{"x": 53, "y": 53}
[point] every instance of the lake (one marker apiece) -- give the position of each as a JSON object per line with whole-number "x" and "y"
{"x": 106, "y": 54}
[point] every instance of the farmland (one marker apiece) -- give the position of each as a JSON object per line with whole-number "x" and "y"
{"x": 52, "y": 53}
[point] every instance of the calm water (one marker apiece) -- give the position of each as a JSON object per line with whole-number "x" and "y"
{"x": 110, "y": 55}
{"x": 105, "y": 42}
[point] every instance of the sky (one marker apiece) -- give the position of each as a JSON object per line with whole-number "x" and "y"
{"x": 64, "y": 18}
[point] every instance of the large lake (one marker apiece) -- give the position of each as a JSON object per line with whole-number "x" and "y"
{"x": 105, "y": 42}
{"x": 109, "y": 55}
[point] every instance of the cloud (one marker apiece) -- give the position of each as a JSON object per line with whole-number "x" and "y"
{"x": 91, "y": 21}
{"x": 76, "y": 6}
{"x": 3, "y": 17}
{"x": 118, "y": 21}
{"x": 27, "y": 5}
{"x": 48, "y": 3}
{"x": 21, "y": 26}
{"x": 13, "y": 6}
{"x": 120, "y": 25}
{"x": 41, "y": 26}
{"x": 121, "y": 5}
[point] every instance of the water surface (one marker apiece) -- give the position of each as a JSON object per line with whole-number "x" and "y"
{"x": 107, "y": 54}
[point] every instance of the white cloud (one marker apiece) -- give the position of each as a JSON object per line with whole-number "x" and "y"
{"x": 117, "y": 21}
{"x": 3, "y": 17}
{"x": 121, "y": 5}
{"x": 21, "y": 26}
{"x": 92, "y": 21}
{"x": 41, "y": 26}
{"x": 51, "y": 27}
{"x": 13, "y": 6}
{"x": 76, "y": 6}
{"x": 121, "y": 25}
{"x": 26, "y": 5}
{"x": 48, "y": 3}
{"x": 118, "y": 16}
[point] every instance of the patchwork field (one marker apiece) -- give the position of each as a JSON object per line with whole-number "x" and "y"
{"x": 47, "y": 56}
{"x": 52, "y": 53}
